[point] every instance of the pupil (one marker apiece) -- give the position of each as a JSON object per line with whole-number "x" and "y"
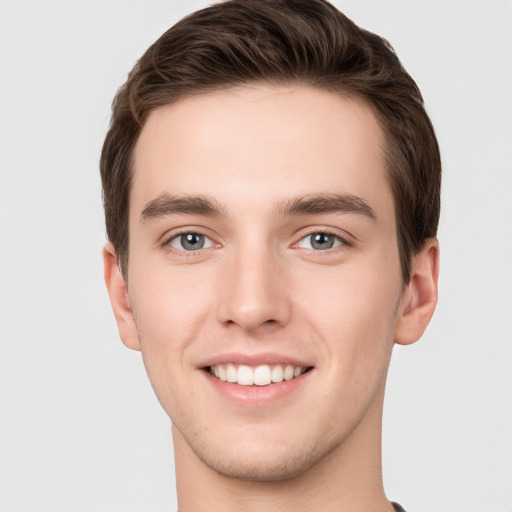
{"x": 192, "y": 241}
{"x": 322, "y": 241}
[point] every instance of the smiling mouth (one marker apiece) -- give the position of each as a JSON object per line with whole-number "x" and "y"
{"x": 261, "y": 375}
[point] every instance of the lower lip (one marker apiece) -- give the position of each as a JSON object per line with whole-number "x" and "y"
{"x": 257, "y": 395}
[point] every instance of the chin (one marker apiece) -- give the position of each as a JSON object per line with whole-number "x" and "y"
{"x": 264, "y": 462}
{"x": 274, "y": 470}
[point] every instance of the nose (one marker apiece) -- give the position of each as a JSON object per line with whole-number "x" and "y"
{"x": 253, "y": 291}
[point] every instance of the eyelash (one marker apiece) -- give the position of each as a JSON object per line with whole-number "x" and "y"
{"x": 167, "y": 242}
{"x": 344, "y": 242}
{"x": 337, "y": 235}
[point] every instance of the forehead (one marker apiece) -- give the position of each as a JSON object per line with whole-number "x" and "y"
{"x": 250, "y": 147}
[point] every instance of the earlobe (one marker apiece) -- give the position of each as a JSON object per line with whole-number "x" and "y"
{"x": 119, "y": 299}
{"x": 419, "y": 299}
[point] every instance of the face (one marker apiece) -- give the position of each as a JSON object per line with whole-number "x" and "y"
{"x": 264, "y": 274}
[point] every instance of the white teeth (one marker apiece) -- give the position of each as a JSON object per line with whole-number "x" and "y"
{"x": 288, "y": 373}
{"x": 245, "y": 376}
{"x": 261, "y": 375}
{"x": 231, "y": 373}
{"x": 277, "y": 374}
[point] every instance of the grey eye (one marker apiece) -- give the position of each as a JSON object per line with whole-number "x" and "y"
{"x": 320, "y": 241}
{"x": 190, "y": 242}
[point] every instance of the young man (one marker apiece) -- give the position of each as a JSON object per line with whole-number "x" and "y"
{"x": 271, "y": 184}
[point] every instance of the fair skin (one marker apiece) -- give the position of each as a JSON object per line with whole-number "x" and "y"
{"x": 262, "y": 235}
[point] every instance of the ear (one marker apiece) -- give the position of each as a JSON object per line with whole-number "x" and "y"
{"x": 119, "y": 299}
{"x": 420, "y": 295}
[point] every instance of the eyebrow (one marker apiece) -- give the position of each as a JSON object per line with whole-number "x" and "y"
{"x": 316, "y": 204}
{"x": 167, "y": 204}
{"x": 310, "y": 204}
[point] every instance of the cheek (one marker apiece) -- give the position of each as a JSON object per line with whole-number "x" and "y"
{"x": 170, "y": 308}
{"x": 355, "y": 326}
{"x": 169, "y": 301}
{"x": 168, "y": 323}
{"x": 353, "y": 309}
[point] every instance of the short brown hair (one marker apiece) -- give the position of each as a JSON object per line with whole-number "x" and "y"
{"x": 305, "y": 42}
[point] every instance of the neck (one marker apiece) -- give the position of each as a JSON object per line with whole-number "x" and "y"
{"x": 348, "y": 479}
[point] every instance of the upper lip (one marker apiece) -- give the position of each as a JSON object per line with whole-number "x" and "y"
{"x": 252, "y": 359}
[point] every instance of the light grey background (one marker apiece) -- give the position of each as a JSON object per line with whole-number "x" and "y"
{"x": 80, "y": 428}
